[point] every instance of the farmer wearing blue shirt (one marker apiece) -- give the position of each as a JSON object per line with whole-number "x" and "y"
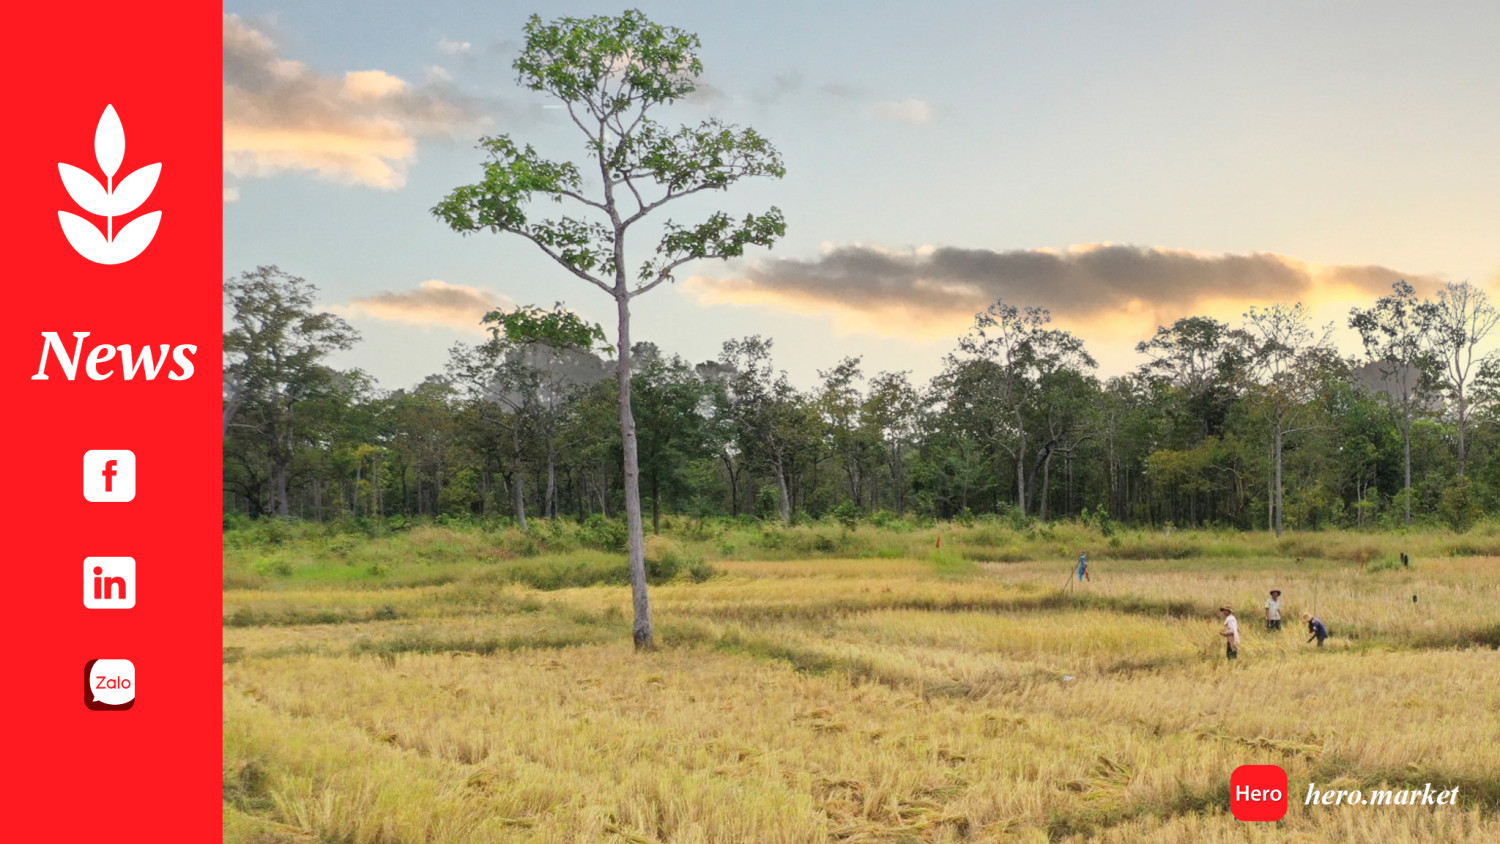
{"x": 1316, "y": 628}
{"x": 1083, "y": 567}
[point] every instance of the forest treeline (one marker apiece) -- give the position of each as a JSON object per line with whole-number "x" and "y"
{"x": 1258, "y": 425}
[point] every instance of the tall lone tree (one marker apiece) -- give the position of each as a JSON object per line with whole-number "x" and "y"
{"x": 609, "y": 74}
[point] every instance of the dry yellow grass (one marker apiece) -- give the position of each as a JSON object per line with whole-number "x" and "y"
{"x": 861, "y": 701}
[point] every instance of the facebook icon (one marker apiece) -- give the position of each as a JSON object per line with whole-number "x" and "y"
{"x": 109, "y": 475}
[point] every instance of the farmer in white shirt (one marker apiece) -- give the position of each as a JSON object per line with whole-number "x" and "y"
{"x": 1273, "y": 611}
{"x": 1231, "y": 633}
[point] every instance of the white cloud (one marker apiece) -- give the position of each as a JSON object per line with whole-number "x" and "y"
{"x": 231, "y": 195}
{"x": 904, "y": 111}
{"x": 360, "y": 128}
{"x": 369, "y": 85}
{"x": 451, "y": 47}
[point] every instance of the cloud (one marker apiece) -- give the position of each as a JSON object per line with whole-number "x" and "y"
{"x": 904, "y": 111}
{"x": 1118, "y": 291}
{"x": 360, "y": 128}
{"x": 786, "y": 84}
{"x": 432, "y": 303}
{"x": 231, "y": 195}
{"x": 451, "y": 47}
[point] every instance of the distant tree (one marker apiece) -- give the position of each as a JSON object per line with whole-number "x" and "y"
{"x": 996, "y": 378}
{"x": 893, "y": 410}
{"x": 669, "y": 405}
{"x": 520, "y": 380}
{"x": 774, "y": 424}
{"x": 609, "y": 73}
{"x": 1462, "y": 318}
{"x": 1066, "y": 402}
{"x": 1196, "y": 356}
{"x": 275, "y": 350}
{"x": 420, "y": 428}
{"x": 720, "y": 428}
{"x": 1395, "y": 332}
{"x": 1286, "y": 359}
{"x": 557, "y": 346}
{"x": 850, "y": 439}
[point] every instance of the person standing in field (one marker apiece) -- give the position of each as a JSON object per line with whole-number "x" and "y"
{"x": 1083, "y": 566}
{"x": 1273, "y": 611}
{"x": 1315, "y": 628}
{"x": 1231, "y": 633}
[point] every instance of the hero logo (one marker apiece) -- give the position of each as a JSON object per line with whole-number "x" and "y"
{"x": 99, "y": 366}
{"x": 109, "y": 200}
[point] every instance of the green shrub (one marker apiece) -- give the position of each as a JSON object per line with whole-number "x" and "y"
{"x": 847, "y": 515}
{"x": 604, "y": 534}
{"x": 273, "y": 566}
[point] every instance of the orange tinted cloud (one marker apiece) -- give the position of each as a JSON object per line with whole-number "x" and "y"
{"x": 432, "y": 303}
{"x": 1114, "y": 291}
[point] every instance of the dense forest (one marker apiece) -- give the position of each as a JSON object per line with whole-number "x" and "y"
{"x": 1261, "y": 425}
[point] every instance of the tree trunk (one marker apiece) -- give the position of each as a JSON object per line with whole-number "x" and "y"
{"x": 1463, "y": 451}
{"x": 231, "y": 408}
{"x": 551, "y": 477}
{"x": 279, "y": 505}
{"x": 1406, "y": 459}
{"x": 1021, "y": 480}
{"x": 898, "y": 482}
{"x": 655, "y": 504}
{"x": 734, "y": 483}
{"x": 519, "y": 499}
{"x": 786, "y": 498}
{"x": 1271, "y": 493}
{"x": 644, "y": 638}
{"x": 1279, "y": 492}
{"x": 518, "y": 488}
{"x": 1046, "y": 484}
{"x": 1020, "y": 463}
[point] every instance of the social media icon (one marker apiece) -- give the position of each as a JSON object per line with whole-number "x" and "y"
{"x": 109, "y": 583}
{"x": 1258, "y": 792}
{"x": 109, "y": 684}
{"x": 109, "y": 475}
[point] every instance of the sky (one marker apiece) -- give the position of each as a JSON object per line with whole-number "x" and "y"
{"x": 1122, "y": 164}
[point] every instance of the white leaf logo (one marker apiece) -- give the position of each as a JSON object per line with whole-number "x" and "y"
{"x": 109, "y": 200}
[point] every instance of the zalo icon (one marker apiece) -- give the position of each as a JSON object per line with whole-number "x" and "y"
{"x": 109, "y": 684}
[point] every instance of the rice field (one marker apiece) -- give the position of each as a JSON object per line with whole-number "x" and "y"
{"x": 925, "y": 696}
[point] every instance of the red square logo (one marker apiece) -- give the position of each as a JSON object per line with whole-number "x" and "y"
{"x": 1258, "y": 792}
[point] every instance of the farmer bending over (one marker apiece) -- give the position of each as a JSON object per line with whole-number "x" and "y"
{"x": 1316, "y": 628}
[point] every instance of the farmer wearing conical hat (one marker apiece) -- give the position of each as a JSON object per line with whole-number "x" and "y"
{"x": 1273, "y": 611}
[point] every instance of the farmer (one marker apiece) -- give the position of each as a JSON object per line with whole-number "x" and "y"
{"x": 1083, "y": 566}
{"x": 1231, "y": 633}
{"x": 1273, "y": 611}
{"x": 1315, "y": 628}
